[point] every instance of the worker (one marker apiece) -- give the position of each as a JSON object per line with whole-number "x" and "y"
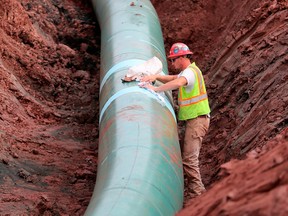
{"x": 193, "y": 108}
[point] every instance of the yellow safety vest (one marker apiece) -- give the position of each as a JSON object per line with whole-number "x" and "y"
{"x": 194, "y": 103}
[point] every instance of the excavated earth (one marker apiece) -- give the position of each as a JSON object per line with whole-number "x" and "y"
{"x": 49, "y": 76}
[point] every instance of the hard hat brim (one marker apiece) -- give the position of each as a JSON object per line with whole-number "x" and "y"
{"x": 180, "y": 54}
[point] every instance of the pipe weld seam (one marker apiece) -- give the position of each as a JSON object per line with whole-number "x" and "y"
{"x": 120, "y": 65}
{"x": 139, "y": 90}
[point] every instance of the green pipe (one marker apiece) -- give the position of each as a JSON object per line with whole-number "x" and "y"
{"x": 139, "y": 160}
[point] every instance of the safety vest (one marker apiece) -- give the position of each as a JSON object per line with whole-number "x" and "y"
{"x": 194, "y": 103}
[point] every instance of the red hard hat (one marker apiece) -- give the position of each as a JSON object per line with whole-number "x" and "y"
{"x": 179, "y": 49}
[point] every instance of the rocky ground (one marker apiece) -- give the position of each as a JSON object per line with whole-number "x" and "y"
{"x": 49, "y": 75}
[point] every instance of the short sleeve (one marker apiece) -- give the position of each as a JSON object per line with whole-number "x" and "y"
{"x": 190, "y": 77}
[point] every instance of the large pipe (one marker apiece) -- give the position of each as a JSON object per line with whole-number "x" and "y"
{"x": 139, "y": 161}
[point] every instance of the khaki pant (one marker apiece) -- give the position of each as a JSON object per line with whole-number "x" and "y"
{"x": 194, "y": 133}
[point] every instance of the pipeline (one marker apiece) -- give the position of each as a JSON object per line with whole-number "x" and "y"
{"x": 139, "y": 160}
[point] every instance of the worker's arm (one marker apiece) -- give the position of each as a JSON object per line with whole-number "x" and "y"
{"x": 161, "y": 78}
{"x": 174, "y": 84}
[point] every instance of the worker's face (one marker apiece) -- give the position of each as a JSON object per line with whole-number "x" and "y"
{"x": 177, "y": 63}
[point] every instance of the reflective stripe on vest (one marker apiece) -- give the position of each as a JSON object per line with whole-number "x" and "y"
{"x": 193, "y": 100}
{"x": 202, "y": 93}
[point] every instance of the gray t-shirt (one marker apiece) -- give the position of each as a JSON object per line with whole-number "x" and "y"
{"x": 190, "y": 77}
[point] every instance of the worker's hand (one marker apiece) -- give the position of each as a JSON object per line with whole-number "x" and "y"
{"x": 146, "y": 85}
{"x": 150, "y": 78}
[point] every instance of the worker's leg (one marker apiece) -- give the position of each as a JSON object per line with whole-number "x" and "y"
{"x": 195, "y": 131}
